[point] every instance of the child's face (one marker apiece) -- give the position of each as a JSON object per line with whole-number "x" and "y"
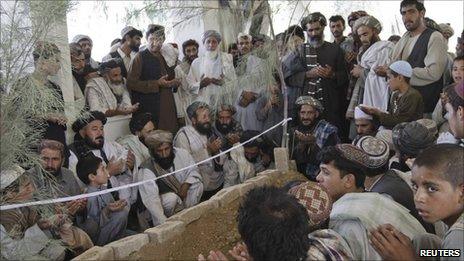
{"x": 458, "y": 71}
{"x": 434, "y": 197}
{"x": 102, "y": 175}
{"x": 393, "y": 81}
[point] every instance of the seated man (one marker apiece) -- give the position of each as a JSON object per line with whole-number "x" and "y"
{"x": 25, "y": 233}
{"x": 106, "y": 218}
{"x": 256, "y": 151}
{"x": 108, "y": 93}
{"x": 365, "y": 124}
{"x": 198, "y": 141}
{"x": 226, "y": 127}
{"x": 184, "y": 187}
{"x": 354, "y": 214}
{"x": 438, "y": 195}
{"x": 311, "y": 134}
{"x": 406, "y": 103}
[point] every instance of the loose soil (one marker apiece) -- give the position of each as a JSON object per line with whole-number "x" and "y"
{"x": 216, "y": 230}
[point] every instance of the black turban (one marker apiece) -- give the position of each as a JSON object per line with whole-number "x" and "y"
{"x": 87, "y": 118}
{"x": 139, "y": 121}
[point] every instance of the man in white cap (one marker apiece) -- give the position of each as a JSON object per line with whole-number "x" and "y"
{"x": 86, "y": 44}
{"x": 209, "y": 72}
{"x": 406, "y": 103}
{"x": 365, "y": 124}
{"x": 130, "y": 43}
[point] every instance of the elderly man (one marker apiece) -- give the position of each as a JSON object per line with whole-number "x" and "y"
{"x": 317, "y": 68}
{"x": 311, "y": 134}
{"x": 425, "y": 49}
{"x": 108, "y": 93}
{"x": 365, "y": 124}
{"x": 198, "y": 141}
{"x": 130, "y": 43}
{"x": 210, "y": 72}
{"x": 77, "y": 66}
{"x": 151, "y": 83}
{"x": 86, "y": 43}
{"x": 373, "y": 53}
{"x": 185, "y": 186}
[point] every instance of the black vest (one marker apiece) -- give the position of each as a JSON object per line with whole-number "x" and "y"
{"x": 430, "y": 92}
{"x": 115, "y": 54}
{"x": 150, "y": 66}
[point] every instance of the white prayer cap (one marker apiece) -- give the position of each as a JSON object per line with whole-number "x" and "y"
{"x": 359, "y": 114}
{"x": 244, "y": 35}
{"x": 402, "y": 67}
{"x": 10, "y": 175}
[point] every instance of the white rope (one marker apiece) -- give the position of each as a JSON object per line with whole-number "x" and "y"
{"x": 93, "y": 194}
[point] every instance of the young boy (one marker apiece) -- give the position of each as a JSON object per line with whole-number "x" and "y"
{"x": 106, "y": 219}
{"x": 438, "y": 186}
{"x": 406, "y": 103}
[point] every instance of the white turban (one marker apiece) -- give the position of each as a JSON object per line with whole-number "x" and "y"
{"x": 158, "y": 137}
{"x": 359, "y": 114}
{"x": 212, "y": 33}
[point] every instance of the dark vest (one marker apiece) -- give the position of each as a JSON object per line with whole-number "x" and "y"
{"x": 162, "y": 186}
{"x": 430, "y": 92}
{"x": 115, "y": 54}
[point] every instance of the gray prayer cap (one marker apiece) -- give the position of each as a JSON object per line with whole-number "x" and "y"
{"x": 308, "y": 100}
{"x": 81, "y": 37}
{"x": 192, "y": 108}
{"x": 368, "y": 21}
{"x": 213, "y": 33}
{"x": 430, "y": 124}
{"x": 126, "y": 30}
{"x": 411, "y": 138}
{"x": 312, "y": 18}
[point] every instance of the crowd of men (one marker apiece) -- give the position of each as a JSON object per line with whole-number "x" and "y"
{"x": 368, "y": 115}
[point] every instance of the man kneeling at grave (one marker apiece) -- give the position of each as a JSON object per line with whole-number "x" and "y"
{"x": 180, "y": 190}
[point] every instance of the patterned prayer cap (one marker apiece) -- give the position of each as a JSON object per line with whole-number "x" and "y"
{"x": 386, "y": 135}
{"x": 411, "y": 138}
{"x": 430, "y": 124}
{"x": 312, "y": 18}
{"x": 158, "y": 137}
{"x": 377, "y": 150}
{"x": 308, "y": 100}
{"x": 213, "y": 33}
{"x": 315, "y": 199}
{"x": 192, "y": 108}
{"x": 446, "y": 28}
{"x": 356, "y": 15}
{"x": 368, "y": 21}
{"x": 353, "y": 153}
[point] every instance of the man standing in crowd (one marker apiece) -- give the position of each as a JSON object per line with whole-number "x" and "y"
{"x": 311, "y": 134}
{"x": 130, "y": 43}
{"x": 337, "y": 27}
{"x": 77, "y": 67}
{"x": 150, "y": 84}
{"x": 86, "y": 44}
{"x": 425, "y": 49}
{"x": 209, "y": 72}
{"x": 108, "y": 93}
{"x": 317, "y": 68}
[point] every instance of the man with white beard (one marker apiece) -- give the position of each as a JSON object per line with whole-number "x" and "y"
{"x": 108, "y": 93}
{"x": 209, "y": 72}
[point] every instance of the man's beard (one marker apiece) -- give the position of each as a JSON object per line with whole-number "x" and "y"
{"x": 203, "y": 128}
{"x": 165, "y": 163}
{"x": 337, "y": 33}
{"x": 190, "y": 59}
{"x": 87, "y": 56}
{"x": 224, "y": 128}
{"x": 134, "y": 47}
{"x": 304, "y": 127}
{"x": 54, "y": 172}
{"x": 252, "y": 160}
{"x": 94, "y": 145}
{"x": 212, "y": 54}
{"x": 117, "y": 89}
{"x": 414, "y": 25}
{"x": 316, "y": 41}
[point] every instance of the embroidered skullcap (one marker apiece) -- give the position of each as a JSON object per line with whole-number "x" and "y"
{"x": 377, "y": 150}
{"x": 158, "y": 137}
{"x": 192, "y": 108}
{"x": 211, "y": 33}
{"x": 81, "y": 37}
{"x": 386, "y": 135}
{"x": 353, "y": 154}
{"x": 356, "y": 15}
{"x": 368, "y": 21}
{"x": 10, "y": 175}
{"x": 139, "y": 121}
{"x": 360, "y": 114}
{"x": 430, "y": 124}
{"x": 308, "y": 100}
{"x": 411, "y": 138}
{"x": 312, "y": 18}
{"x": 402, "y": 67}
{"x": 446, "y": 28}
{"x": 86, "y": 119}
{"x": 226, "y": 107}
{"x": 315, "y": 199}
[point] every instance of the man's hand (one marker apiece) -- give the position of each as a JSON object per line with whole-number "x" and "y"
{"x": 240, "y": 252}
{"x": 357, "y": 70}
{"x": 54, "y": 221}
{"x": 233, "y": 138}
{"x": 213, "y": 256}
{"x": 350, "y": 56}
{"x": 130, "y": 160}
{"x": 134, "y": 107}
{"x": 266, "y": 159}
{"x": 58, "y": 119}
{"x": 163, "y": 82}
{"x": 214, "y": 146}
{"x": 114, "y": 166}
{"x": 247, "y": 97}
{"x": 205, "y": 81}
{"x": 174, "y": 83}
{"x": 183, "y": 191}
{"x": 218, "y": 81}
{"x": 311, "y": 74}
{"x": 117, "y": 205}
{"x": 370, "y": 110}
{"x": 75, "y": 206}
{"x": 306, "y": 138}
{"x": 381, "y": 70}
{"x": 391, "y": 244}
{"x": 325, "y": 72}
